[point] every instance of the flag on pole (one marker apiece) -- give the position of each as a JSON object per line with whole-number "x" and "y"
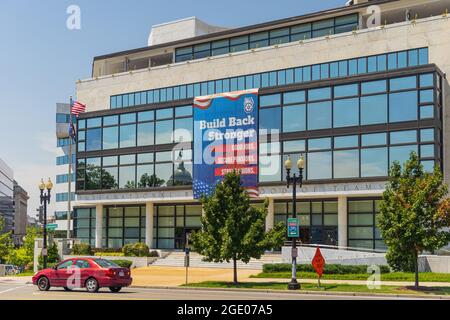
{"x": 77, "y": 108}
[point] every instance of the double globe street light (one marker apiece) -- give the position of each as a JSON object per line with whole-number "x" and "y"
{"x": 45, "y": 198}
{"x": 294, "y": 180}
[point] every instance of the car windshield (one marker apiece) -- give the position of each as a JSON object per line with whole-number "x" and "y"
{"x": 105, "y": 263}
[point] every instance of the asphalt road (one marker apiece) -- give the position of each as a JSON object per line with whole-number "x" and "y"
{"x": 30, "y": 292}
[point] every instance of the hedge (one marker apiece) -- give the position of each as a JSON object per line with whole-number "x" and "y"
{"x": 108, "y": 254}
{"x": 123, "y": 263}
{"x": 136, "y": 250}
{"x": 82, "y": 249}
{"x": 107, "y": 250}
{"x": 328, "y": 269}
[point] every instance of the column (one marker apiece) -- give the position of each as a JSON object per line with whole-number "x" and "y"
{"x": 342, "y": 221}
{"x": 270, "y": 218}
{"x": 98, "y": 225}
{"x": 149, "y": 212}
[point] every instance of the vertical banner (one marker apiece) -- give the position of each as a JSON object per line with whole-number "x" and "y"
{"x": 225, "y": 139}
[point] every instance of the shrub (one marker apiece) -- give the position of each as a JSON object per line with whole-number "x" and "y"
{"x": 49, "y": 266}
{"x": 108, "y": 254}
{"x": 108, "y": 250}
{"x": 82, "y": 249}
{"x": 52, "y": 255}
{"x": 153, "y": 253}
{"x": 123, "y": 263}
{"x": 136, "y": 250}
{"x": 328, "y": 269}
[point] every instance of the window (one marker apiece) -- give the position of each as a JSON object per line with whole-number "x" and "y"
{"x": 110, "y": 138}
{"x": 348, "y": 90}
{"x": 346, "y": 112}
{"x": 403, "y": 106}
{"x": 65, "y": 265}
{"x": 374, "y": 109}
{"x": 145, "y": 135}
{"x": 319, "y": 165}
{"x": 346, "y": 164}
{"x": 128, "y": 136}
{"x": 164, "y": 131}
{"x": 270, "y": 119}
{"x": 319, "y": 115}
{"x": 294, "y": 118}
{"x": 374, "y": 162}
{"x": 363, "y": 231}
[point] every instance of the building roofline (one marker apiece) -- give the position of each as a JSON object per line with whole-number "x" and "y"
{"x": 245, "y": 28}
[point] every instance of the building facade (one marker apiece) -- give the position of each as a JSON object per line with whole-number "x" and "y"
{"x": 20, "y": 213}
{"x": 59, "y": 206}
{"x": 6, "y": 195}
{"x": 351, "y": 97}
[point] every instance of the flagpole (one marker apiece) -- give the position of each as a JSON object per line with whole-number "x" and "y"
{"x": 69, "y": 176}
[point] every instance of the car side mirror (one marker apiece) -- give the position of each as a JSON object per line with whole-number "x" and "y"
{"x": 55, "y": 267}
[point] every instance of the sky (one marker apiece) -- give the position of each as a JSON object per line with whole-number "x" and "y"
{"x": 41, "y": 60}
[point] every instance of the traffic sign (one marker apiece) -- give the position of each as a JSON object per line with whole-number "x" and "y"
{"x": 52, "y": 226}
{"x": 293, "y": 228}
{"x": 318, "y": 263}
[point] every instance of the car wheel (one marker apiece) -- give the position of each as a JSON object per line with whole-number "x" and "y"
{"x": 115, "y": 289}
{"x": 43, "y": 284}
{"x": 92, "y": 285}
{"x": 67, "y": 289}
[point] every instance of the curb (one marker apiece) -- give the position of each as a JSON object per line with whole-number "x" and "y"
{"x": 309, "y": 292}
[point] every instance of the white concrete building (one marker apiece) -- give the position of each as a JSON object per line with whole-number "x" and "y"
{"x": 58, "y": 208}
{"x": 350, "y": 95}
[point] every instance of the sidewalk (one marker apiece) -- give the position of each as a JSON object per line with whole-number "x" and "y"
{"x": 176, "y": 276}
{"x": 15, "y": 280}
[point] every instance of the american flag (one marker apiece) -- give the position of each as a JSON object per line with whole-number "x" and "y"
{"x": 72, "y": 131}
{"x": 77, "y": 108}
{"x": 201, "y": 188}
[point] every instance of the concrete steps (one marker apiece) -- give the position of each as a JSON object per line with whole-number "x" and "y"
{"x": 176, "y": 259}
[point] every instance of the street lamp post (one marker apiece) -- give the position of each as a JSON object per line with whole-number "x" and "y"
{"x": 45, "y": 199}
{"x": 294, "y": 180}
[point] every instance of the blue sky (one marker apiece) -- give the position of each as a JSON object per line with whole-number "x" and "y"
{"x": 40, "y": 59}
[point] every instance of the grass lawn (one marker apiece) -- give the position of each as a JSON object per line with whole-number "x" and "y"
{"x": 394, "y": 276}
{"x": 24, "y": 274}
{"x": 325, "y": 288}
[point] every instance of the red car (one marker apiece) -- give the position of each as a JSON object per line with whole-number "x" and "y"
{"x": 89, "y": 273}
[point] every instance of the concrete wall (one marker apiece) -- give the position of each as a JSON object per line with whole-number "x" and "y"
{"x": 180, "y": 29}
{"x": 332, "y": 256}
{"x": 440, "y": 264}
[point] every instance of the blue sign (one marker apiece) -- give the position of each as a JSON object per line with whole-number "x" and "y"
{"x": 225, "y": 139}
{"x": 293, "y": 228}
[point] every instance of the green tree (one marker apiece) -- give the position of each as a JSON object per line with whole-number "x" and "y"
{"x": 233, "y": 230}
{"x": 24, "y": 255}
{"x": 5, "y": 241}
{"x": 414, "y": 214}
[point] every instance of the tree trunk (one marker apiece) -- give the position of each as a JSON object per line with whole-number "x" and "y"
{"x": 416, "y": 269}
{"x": 235, "y": 278}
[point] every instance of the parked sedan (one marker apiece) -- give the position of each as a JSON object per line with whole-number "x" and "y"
{"x": 89, "y": 273}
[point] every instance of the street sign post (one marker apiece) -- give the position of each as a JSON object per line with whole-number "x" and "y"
{"x": 52, "y": 226}
{"x": 293, "y": 228}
